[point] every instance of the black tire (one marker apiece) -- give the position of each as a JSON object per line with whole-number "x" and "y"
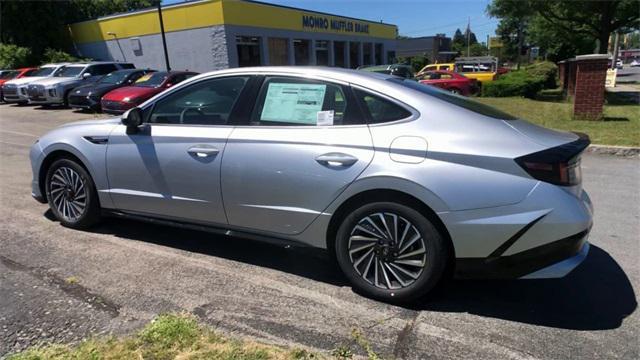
{"x": 90, "y": 213}
{"x": 434, "y": 263}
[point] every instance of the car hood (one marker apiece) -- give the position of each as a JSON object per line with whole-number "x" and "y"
{"x": 25, "y": 80}
{"x": 131, "y": 92}
{"x": 84, "y": 90}
{"x": 110, "y": 121}
{"x": 56, "y": 81}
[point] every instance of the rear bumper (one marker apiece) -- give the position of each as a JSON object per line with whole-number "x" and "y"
{"x": 552, "y": 260}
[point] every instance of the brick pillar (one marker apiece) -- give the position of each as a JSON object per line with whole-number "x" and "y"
{"x": 591, "y": 72}
{"x": 571, "y": 77}
{"x": 562, "y": 67}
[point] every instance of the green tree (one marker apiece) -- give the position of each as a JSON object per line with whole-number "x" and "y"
{"x": 458, "y": 38}
{"x": 573, "y": 23}
{"x": 12, "y": 56}
{"x": 39, "y": 25}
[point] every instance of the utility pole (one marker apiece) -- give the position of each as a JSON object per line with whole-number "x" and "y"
{"x": 616, "y": 46}
{"x": 488, "y": 46}
{"x": 164, "y": 40}
{"x": 468, "y": 35}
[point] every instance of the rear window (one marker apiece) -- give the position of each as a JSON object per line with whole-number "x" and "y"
{"x": 461, "y": 101}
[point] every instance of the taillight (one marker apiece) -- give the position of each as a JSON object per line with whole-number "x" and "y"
{"x": 559, "y": 165}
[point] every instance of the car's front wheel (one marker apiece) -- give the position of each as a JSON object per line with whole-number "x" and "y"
{"x": 71, "y": 194}
{"x": 390, "y": 251}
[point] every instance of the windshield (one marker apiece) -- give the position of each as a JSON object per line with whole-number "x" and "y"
{"x": 70, "y": 71}
{"x": 43, "y": 71}
{"x": 152, "y": 80}
{"x": 461, "y": 101}
{"x": 9, "y": 75}
{"x": 116, "y": 77}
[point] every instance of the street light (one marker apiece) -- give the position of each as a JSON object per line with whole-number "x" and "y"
{"x": 115, "y": 37}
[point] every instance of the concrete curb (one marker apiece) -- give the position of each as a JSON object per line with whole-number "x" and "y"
{"x": 625, "y": 151}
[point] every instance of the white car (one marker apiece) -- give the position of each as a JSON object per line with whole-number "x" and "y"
{"x": 15, "y": 91}
{"x": 635, "y": 63}
{"x": 619, "y": 64}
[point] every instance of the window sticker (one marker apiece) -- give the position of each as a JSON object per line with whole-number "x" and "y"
{"x": 325, "y": 118}
{"x": 144, "y": 78}
{"x": 293, "y": 103}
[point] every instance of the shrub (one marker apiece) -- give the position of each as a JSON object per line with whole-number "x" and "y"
{"x": 516, "y": 83}
{"x": 56, "y": 56}
{"x": 13, "y": 56}
{"x": 545, "y": 69}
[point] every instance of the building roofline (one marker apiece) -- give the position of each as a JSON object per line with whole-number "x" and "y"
{"x": 191, "y": 2}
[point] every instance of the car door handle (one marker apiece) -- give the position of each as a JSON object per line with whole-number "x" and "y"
{"x": 336, "y": 160}
{"x": 203, "y": 150}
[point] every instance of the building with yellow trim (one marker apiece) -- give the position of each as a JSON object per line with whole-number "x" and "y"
{"x": 207, "y": 35}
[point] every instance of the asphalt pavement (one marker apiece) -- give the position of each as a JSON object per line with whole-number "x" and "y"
{"x": 62, "y": 285}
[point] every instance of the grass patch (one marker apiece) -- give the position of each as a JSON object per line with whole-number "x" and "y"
{"x": 171, "y": 336}
{"x": 621, "y": 124}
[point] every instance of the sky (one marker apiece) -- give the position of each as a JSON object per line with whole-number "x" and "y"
{"x": 414, "y": 18}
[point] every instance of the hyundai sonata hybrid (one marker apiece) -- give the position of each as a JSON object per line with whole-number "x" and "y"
{"x": 401, "y": 181}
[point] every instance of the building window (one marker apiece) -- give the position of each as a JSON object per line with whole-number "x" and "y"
{"x": 353, "y": 55}
{"x": 378, "y": 56}
{"x": 322, "y": 52}
{"x": 301, "y": 51}
{"x": 248, "y": 50}
{"x": 278, "y": 51}
{"x": 338, "y": 53}
{"x": 366, "y": 54}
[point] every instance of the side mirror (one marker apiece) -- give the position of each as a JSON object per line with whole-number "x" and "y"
{"x": 86, "y": 75}
{"x": 132, "y": 118}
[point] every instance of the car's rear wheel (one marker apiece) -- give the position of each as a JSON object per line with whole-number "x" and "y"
{"x": 390, "y": 251}
{"x": 71, "y": 194}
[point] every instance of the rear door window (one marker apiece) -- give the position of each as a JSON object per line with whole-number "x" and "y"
{"x": 381, "y": 110}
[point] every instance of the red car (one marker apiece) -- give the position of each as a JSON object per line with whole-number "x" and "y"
{"x": 14, "y": 74}
{"x": 125, "y": 98}
{"x": 450, "y": 81}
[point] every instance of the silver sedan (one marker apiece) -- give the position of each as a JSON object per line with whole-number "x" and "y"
{"x": 402, "y": 182}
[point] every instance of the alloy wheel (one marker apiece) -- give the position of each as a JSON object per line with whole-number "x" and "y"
{"x": 69, "y": 194}
{"x": 387, "y": 250}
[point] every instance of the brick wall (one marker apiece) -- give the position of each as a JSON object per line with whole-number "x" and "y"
{"x": 588, "y": 92}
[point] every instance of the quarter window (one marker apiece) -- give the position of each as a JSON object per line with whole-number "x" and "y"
{"x": 208, "y": 102}
{"x": 302, "y": 102}
{"x": 381, "y": 110}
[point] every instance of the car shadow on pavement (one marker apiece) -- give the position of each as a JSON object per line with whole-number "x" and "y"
{"x": 307, "y": 262}
{"x": 597, "y": 295}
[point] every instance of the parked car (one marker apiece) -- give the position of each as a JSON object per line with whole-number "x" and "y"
{"x": 124, "y": 98}
{"x": 619, "y": 64}
{"x": 433, "y": 67}
{"x": 88, "y": 96}
{"x": 635, "y": 63}
{"x": 13, "y": 74}
{"x": 480, "y": 68}
{"x": 399, "y": 180}
{"x": 15, "y": 91}
{"x": 449, "y": 81}
{"x": 55, "y": 90}
{"x": 401, "y": 70}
